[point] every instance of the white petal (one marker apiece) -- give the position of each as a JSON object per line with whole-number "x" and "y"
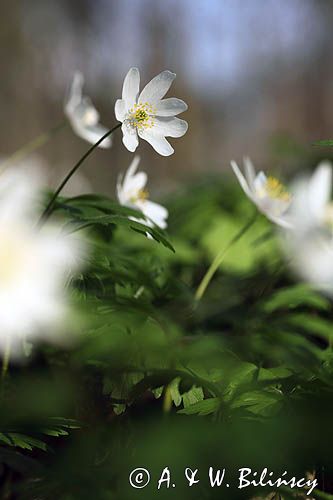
{"x": 89, "y": 113}
{"x": 284, "y": 222}
{"x": 120, "y": 109}
{"x": 18, "y": 194}
{"x": 75, "y": 93}
{"x": 170, "y": 126}
{"x": 134, "y": 182}
{"x": 320, "y": 186}
{"x": 275, "y": 209}
{"x": 131, "y": 87}
{"x": 130, "y": 138}
{"x": 158, "y": 142}
{"x": 157, "y": 213}
{"x": 92, "y": 134}
{"x": 170, "y": 107}
{"x": 250, "y": 172}
{"x": 241, "y": 179}
{"x": 311, "y": 255}
{"x": 260, "y": 183}
{"x": 84, "y": 114}
{"x": 157, "y": 87}
{"x": 133, "y": 167}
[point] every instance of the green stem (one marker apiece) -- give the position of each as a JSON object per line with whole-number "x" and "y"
{"x": 31, "y": 146}
{"x": 219, "y": 259}
{"x": 50, "y": 206}
{"x": 5, "y": 359}
{"x": 167, "y": 399}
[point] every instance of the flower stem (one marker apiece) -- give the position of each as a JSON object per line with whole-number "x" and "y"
{"x": 32, "y": 145}
{"x": 219, "y": 259}
{"x": 50, "y": 206}
{"x": 5, "y": 359}
{"x": 167, "y": 399}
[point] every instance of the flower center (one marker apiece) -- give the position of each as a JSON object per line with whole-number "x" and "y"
{"x": 142, "y": 116}
{"x": 141, "y": 195}
{"x": 275, "y": 189}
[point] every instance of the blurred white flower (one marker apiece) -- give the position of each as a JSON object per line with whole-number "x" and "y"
{"x": 148, "y": 115}
{"x": 34, "y": 265}
{"x": 309, "y": 247}
{"x": 267, "y": 193}
{"x": 131, "y": 193}
{"x": 83, "y": 116}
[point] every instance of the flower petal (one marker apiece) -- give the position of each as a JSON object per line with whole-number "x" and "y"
{"x": 134, "y": 182}
{"x": 120, "y": 110}
{"x": 241, "y": 179}
{"x": 157, "y": 87}
{"x": 284, "y": 222}
{"x": 130, "y": 138}
{"x": 92, "y": 133}
{"x": 83, "y": 116}
{"x": 250, "y": 172}
{"x": 170, "y": 126}
{"x": 131, "y": 87}
{"x": 75, "y": 94}
{"x": 320, "y": 186}
{"x": 260, "y": 184}
{"x": 275, "y": 209}
{"x": 157, "y": 213}
{"x": 158, "y": 142}
{"x": 132, "y": 168}
{"x": 170, "y": 107}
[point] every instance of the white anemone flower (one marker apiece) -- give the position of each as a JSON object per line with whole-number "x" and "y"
{"x": 309, "y": 247}
{"x": 267, "y": 193}
{"x": 34, "y": 266}
{"x": 147, "y": 114}
{"x": 83, "y": 116}
{"x": 131, "y": 193}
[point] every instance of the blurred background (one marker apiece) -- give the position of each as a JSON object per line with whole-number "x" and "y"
{"x": 257, "y": 76}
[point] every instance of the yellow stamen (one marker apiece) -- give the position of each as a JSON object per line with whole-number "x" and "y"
{"x": 275, "y": 189}
{"x": 142, "y": 116}
{"x": 142, "y": 195}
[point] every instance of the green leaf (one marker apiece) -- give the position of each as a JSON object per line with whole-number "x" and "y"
{"x": 192, "y": 396}
{"x": 188, "y": 398}
{"x": 262, "y": 403}
{"x": 95, "y": 210}
{"x": 295, "y": 296}
{"x": 314, "y": 325}
{"x": 22, "y": 441}
{"x": 202, "y": 408}
{"x": 106, "y": 220}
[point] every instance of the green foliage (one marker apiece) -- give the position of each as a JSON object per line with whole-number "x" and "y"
{"x": 255, "y": 351}
{"x": 102, "y": 215}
